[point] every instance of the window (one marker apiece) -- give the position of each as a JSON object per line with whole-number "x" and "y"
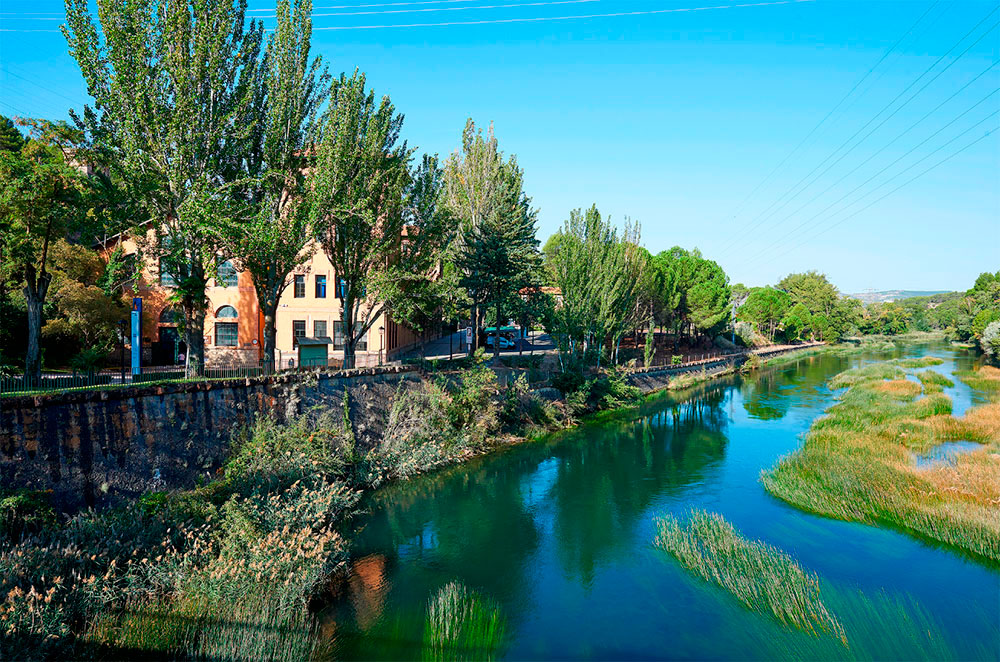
{"x": 226, "y": 276}
{"x": 339, "y": 341}
{"x": 226, "y": 312}
{"x": 300, "y": 287}
{"x": 226, "y": 334}
{"x": 320, "y": 287}
{"x": 319, "y": 328}
{"x": 298, "y": 331}
{"x": 166, "y": 279}
{"x": 171, "y": 315}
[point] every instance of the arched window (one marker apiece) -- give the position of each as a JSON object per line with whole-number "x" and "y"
{"x": 227, "y": 276}
{"x": 227, "y": 333}
{"x": 171, "y": 315}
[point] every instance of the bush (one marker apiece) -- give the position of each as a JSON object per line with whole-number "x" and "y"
{"x": 24, "y": 512}
{"x": 990, "y": 341}
{"x": 676, "y": 360}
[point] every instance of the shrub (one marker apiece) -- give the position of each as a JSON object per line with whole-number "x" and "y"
{"x": 990, "y": 340}
{"x": 676, "y": 360}
{"x": 24, "y": 512}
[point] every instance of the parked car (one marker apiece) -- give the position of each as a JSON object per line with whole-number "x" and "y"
{"x": 505, "y": 342}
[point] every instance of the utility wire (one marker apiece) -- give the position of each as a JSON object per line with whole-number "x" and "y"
{"x": 894, "y": 140}
{"x": 764, "y": 215}
{"x": 788, "y": 236}
{"x": 907, "y": 182}
{"x": 861, "y": 80}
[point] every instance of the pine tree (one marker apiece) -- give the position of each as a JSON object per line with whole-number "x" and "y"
{"x": 11, "y": 139}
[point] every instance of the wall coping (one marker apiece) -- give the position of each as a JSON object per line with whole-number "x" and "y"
{"x": 165, "y": 388}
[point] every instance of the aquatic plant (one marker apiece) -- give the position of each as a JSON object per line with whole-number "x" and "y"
{"x": 934, "y": 381}
{"x": 462, "y": 625}
{"x": 917, "y": 362}
{"x": 761, "y": 576}
{"x": 857, "y": 463}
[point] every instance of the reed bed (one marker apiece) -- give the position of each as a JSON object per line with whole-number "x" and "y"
{"x": 762, "y": 577}
{"x": 858, "y": 462}
{"x": 934, "y": 381}
{"x": 462, "y": 625}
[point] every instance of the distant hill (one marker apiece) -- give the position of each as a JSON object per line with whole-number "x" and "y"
{"x": 893, "y": 295}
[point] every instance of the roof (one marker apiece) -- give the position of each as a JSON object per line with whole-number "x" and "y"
{"x": 322, "y": 340}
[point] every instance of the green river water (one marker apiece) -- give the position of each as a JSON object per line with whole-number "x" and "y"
{"x": 559, "y": 533}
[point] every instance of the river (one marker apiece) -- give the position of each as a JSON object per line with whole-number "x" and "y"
{"x": 559, "y": 532}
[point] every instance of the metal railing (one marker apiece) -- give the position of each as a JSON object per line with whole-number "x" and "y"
{"x": 55, "y": 381}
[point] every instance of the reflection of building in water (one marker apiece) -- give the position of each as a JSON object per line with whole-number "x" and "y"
{"x": 367, "y": 587}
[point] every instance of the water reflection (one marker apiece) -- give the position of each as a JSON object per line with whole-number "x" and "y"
{"x": 558, "y": 533}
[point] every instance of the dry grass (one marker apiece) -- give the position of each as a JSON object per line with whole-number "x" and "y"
{"x": 858, "y": 462}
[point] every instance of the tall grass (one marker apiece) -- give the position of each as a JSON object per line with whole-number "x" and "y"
{"x": 462, "y": 625}
{"x": 858, "y": 463}
{"x": 762, "y": 577}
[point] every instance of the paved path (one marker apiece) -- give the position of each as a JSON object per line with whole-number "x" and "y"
{"x": 537, "y": 342}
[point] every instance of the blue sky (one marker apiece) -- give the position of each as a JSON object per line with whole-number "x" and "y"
{"x": 676, "y": 119}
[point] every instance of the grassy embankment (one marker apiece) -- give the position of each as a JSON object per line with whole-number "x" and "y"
{"x": 227, "y": 570}
{"x": 858, "y": 462}
{"x": 822, "y": 621}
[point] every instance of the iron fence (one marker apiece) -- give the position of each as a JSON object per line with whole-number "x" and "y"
{"x": 54, "y": 381}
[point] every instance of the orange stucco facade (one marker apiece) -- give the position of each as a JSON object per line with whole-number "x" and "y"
{"x": 234, "y": 324}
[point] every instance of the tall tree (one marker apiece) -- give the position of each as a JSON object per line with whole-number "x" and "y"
{"x": 42, "y": 199}
{"x": 473, "y": 190}
{"x": 11, "y": 139}
{"x": 765, "y": 307}
{"x": 379, "y": 225}
{"x": 175, "y": 91}
{"x": 268, "y": 233}
{"x": 500, "y": 254}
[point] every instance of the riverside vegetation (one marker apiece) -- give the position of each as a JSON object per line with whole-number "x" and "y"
{"x": 858, "y": 463}
{"x": 227, "y": 570}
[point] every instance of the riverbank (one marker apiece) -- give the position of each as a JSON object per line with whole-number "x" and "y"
{"x": 175, "y": 572}
{"x": 861, "y": 461}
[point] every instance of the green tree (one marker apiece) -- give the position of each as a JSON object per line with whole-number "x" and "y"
{"x": 43, "y": 198}
{"x": 175, "y": 86}
{"x": 11, "y": 139}
{"x": 473, "y": 192}
{"x": 813, "y": 290}
{"x": 765, "y": 307}
{"x": 796, "y": 321}
{"x": 268, "y": 233}
{"x": 500, "y": 254}
{"x": 702, "y": 293}
{"x": 599, "y": 272}
{"x": 379, "y": 225}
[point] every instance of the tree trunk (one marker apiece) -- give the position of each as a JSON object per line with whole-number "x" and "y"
{"x": 475, "y": 327}
{"x": 496, "y": 326}
{"x": 347, "y": 320}
{"x": 34, "y": 293}
{"x": 270, "y": 335}
{"x": 194, "y": 336}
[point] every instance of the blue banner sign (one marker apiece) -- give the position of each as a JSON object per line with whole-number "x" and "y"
{"x": 136, "y": 333}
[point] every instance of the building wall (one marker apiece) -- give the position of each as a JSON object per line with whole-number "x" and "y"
{"x": 384, "y": 334}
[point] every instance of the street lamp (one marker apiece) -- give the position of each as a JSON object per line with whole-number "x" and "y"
{"x": 381, "y": 343}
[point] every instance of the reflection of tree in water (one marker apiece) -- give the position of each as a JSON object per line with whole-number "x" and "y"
{"x": 769, "y": 395}
{"x": 607, "y": 481}
{"x": 470, "y": 526}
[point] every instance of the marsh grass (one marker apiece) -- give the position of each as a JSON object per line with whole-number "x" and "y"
{"x": 858, "y": 463}
{"x": 917, "y": 362}
{"x": 985, "y": 379}
{"x": 934, "y": 381}
{"x": 462, "y": 625}
{"x": 762, "y": 577}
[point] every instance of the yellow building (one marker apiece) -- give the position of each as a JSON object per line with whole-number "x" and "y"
{"x": 234, "y": 326}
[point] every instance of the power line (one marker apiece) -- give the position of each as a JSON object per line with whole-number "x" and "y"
{"x": 39, "y": 85}
{"x": 829, "y": 114}
{"x": 786, "y": 237}
{"x": 906, "y": 183}
{"x": 894, "y": 140}
{"x": 764, "y": 215}
{"x": 540, "y": 19}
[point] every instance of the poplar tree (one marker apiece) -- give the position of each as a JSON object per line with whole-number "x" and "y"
{"x": 473, "y": 182}
{"x": 378, "y": 223}
{"x": 499, "y": 255}
{"x": 268, "y": 231}
{"x": 175, "y": 88}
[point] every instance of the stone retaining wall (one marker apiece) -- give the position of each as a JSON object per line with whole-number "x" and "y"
{"x": 95, "y": 448}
